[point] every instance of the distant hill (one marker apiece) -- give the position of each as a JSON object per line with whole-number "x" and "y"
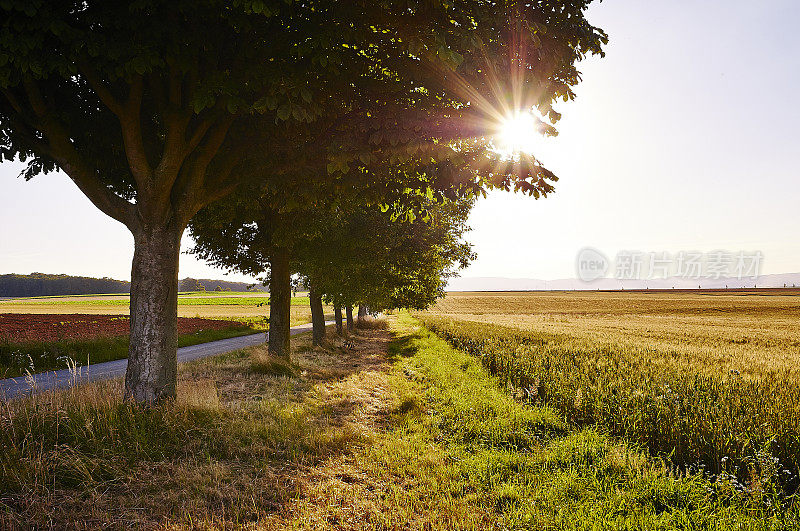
{"x": 532, "y": 284}
{"x": 49, "y": 285}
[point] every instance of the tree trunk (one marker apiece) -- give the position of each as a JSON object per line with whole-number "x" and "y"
{"x": 152, "y": 370}
{"x": 280, "y": 300}
{"x": 317, "y": 316}
{"x": 351, "y": 325}
{"x": 337, "y": 312}
{"x": 362, "y": 312}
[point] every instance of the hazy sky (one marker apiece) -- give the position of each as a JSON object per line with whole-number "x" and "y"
{"x": 685, "y": 137}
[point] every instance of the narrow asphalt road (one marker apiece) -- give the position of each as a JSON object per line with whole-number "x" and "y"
{"x": 45, "y": 381}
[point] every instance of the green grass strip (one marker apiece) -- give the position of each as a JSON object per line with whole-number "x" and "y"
{"x": 463, "y": 442}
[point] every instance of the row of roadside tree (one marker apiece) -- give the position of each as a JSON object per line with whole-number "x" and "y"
{"x": 348, "y": 252}
{"x": 318, "y": 118}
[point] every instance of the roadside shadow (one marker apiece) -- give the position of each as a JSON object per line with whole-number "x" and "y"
{"x": 401, "y": 347}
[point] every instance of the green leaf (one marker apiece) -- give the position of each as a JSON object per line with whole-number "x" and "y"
{"x": 298, "y": 113}
{"x": 284, "y": 111}
{"x": 139, "y": 66}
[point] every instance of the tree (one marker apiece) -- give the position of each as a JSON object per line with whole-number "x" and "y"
{"x": 145, "y": 106}
{"x": 366, "y": 257}
{"x": 351, "y": 325}
{"x": 253, "y": 232}
{"x": 337, "y": 315}
{"x": 191, "y": 284}
{"x": 274, "y": 232}
{"x": 317, "y": 315}
{"x": 156, "y": 109}
{"x": 348, "y": 251}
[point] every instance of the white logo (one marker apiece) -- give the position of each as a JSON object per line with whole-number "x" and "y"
{"x": 591, "y": 264}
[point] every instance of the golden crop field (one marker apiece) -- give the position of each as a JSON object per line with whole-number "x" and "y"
{"x": 704, "y": 379}
{"x": 745, "y": 331}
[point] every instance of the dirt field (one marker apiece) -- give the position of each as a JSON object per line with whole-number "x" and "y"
{"x": 22, "y": 328}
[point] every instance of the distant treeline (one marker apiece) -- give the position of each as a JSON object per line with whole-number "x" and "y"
{"x": 45, "y": 285}
{"x": 42, "y": 284}
{"x": 204, "y": 284}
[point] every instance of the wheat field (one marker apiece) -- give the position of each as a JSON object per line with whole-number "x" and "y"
{"x": 705, "y": 380}
{"x": 715, "y": 332}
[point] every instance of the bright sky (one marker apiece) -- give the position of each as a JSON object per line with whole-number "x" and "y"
{"x": 685, "y": 137}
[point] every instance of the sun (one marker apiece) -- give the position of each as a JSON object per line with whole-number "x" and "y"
{"x": 517, "y": 134}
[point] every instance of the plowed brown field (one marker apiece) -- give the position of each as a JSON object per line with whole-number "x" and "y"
{"x": 26, "y": 328}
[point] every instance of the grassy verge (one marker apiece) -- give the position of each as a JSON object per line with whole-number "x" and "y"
{"x": 464, "y": 454}
{"x": 391, "y": 431}
{"x": 232, "y": 450}
{"x": 458, "y": 452}
{"x": 18, "y": 358}
{"x": 728, "y": 425}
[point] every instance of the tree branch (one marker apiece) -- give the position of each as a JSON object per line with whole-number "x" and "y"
{"x": 129, "y": 115}
{"x": 102, "y": 91}
{"x": 216, "y": 195}
{"x": 205, "y": 124}
{"x": 15, "y": 103}
{"x": 204, "y": 191}
{"x": 176, "y": 148}
{"x": 64, "y": 153}
{"x": 130, "y": 119}
{"x": 214, "y": 140}
{"x": 37, "y": 145}
{"x": 157, "y": 90}
{"x": 175, "y": 80}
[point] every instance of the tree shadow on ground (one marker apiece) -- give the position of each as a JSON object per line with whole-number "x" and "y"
{"x": 247, "y": 444}
{"x": 401, "y": 347}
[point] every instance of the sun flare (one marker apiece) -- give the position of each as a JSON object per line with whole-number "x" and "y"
{"x": 518, "y": 133}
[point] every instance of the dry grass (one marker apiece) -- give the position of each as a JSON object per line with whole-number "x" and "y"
{"x": 391, "y": 430}
{"x": 236, "y": 447}
{"x": 262, "y": 363}
{"x": 372, "y": 323}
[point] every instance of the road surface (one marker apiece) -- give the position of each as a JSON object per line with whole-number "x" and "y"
{"x": 45, "y": 381}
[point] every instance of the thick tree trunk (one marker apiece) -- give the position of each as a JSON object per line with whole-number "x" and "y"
{"x": 280, "y": 300}
{"x": 337, "y": 313}
{"x": 351, "y": 325}
{"x": 317, "y": 316}
{"x": 362, "y": 312}
{"x": 152, "y": 370}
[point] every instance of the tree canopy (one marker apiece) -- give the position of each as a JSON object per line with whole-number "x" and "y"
{"x": 128, "y": 98}
{"x": 158, "y": 108}
{"x": 366, "y": 257}
{"x": 350, "y": 251}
